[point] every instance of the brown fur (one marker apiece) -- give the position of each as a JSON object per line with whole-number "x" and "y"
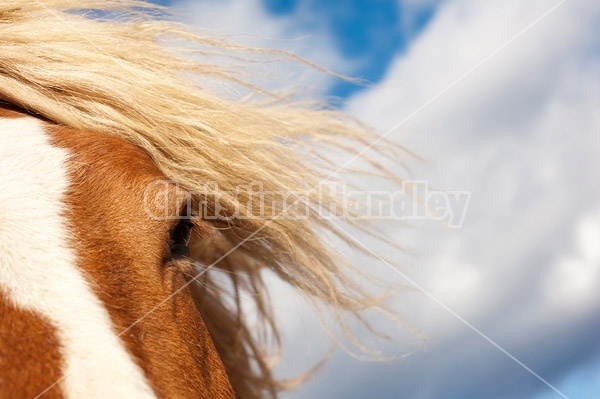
{"x": 123, "y": 252}
{"x": 29, "y": 356}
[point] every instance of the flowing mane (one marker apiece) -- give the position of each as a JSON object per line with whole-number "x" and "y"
{"x": 124, "y": 69}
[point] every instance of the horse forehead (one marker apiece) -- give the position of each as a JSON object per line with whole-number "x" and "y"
{"x": 115, "y": 179}
{"x": 38, "y": 266}
{"x": 107, "y": 180}
{"x": 119, "y": 163}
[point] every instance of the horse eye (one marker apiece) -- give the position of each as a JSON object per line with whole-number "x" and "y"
{"x": 180, "y": 237}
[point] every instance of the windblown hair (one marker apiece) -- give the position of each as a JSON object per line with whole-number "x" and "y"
{"x": 123, "y": 68}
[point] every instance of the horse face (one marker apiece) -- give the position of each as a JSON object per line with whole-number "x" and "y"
{"x": 92, "y": 301}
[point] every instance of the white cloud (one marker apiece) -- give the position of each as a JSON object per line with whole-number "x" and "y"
{"x": 520, "y": 132}
{"x": 571, "y": 283}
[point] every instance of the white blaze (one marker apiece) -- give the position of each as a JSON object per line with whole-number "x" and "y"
{"x": 38, "y": 271}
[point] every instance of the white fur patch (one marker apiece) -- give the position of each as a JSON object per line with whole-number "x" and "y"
{"x": 39, "y": 273}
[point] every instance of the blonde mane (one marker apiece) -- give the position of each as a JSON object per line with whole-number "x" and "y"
{"x": 123, "y": 68}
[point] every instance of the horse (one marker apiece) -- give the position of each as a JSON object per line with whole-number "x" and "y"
{"x": 128, "y": 252}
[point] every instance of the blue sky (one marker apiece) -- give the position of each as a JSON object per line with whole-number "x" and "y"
{"x": 519, "y": 132}
{"x": 369, "y": 32}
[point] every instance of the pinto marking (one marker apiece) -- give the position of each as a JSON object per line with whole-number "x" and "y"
{"x": 81, "y": 257}
{"x": 38, "y": 271}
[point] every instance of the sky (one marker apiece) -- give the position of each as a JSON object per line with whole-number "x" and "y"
{"x": 501, "y": 100}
